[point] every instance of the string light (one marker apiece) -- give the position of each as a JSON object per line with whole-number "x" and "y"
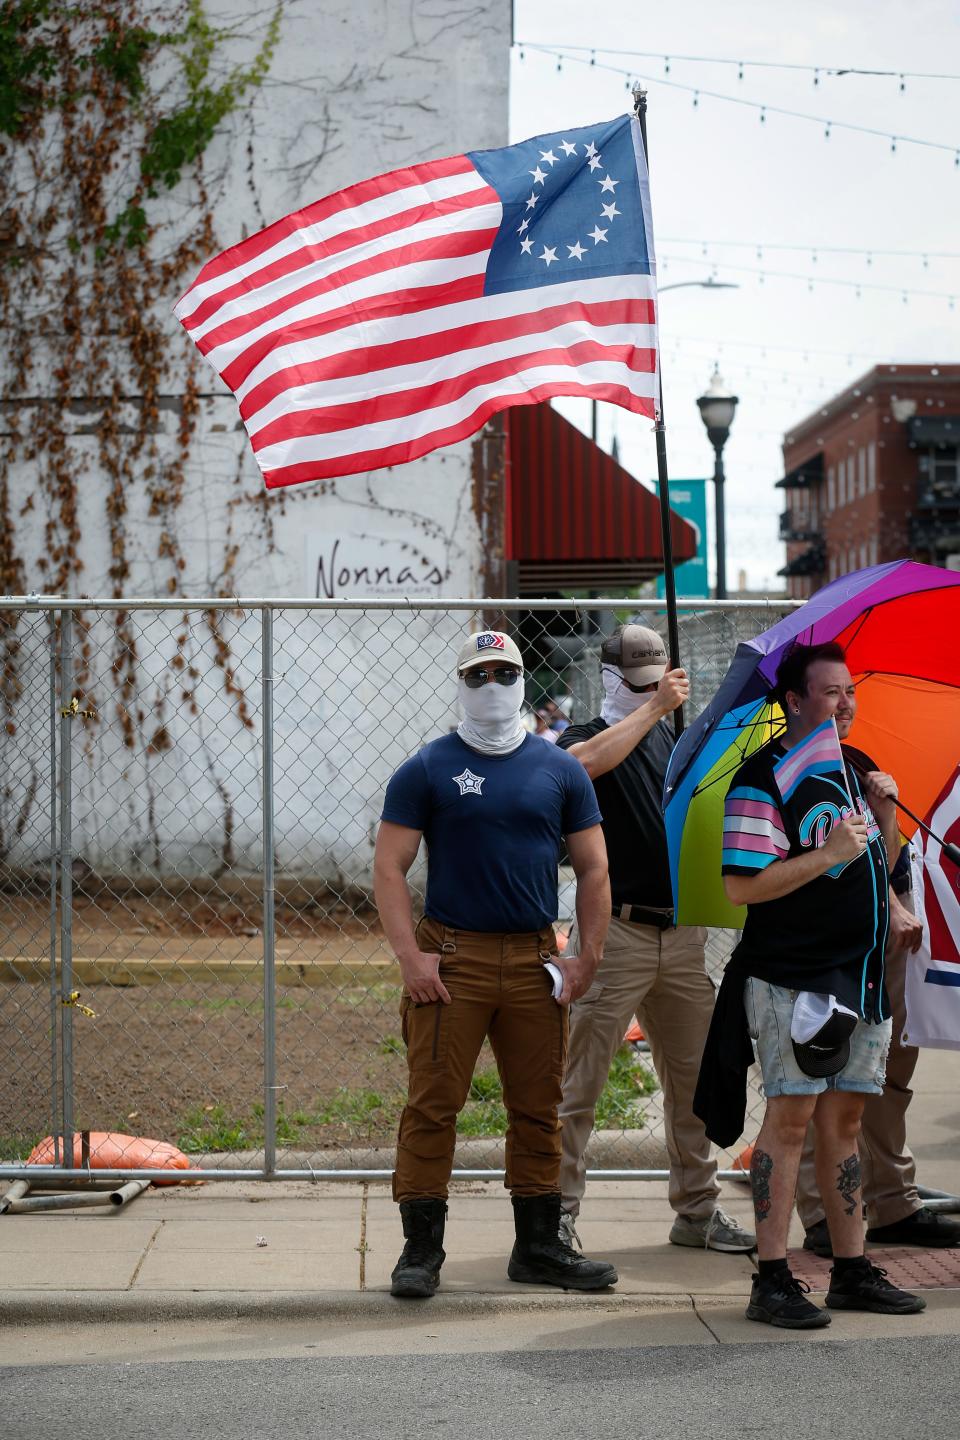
{"x": 830, "y": 280}
{"x": 765, "y": 108}
{"x": 923, "y": 255}
{"x": 838, "y": 71}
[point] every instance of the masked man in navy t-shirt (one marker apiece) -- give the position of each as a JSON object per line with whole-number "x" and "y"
{"x": 494, "y": 805}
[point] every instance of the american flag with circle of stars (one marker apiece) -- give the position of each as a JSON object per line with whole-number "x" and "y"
{"x": 398, "y": 315}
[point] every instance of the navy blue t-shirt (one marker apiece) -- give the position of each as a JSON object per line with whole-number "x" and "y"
{"x": 493, "y": 826}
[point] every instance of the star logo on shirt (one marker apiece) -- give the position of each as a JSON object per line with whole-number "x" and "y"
{"x": 469, "y": 783}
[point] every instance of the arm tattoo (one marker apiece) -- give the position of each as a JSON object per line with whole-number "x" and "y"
{"x": 761, "y": 1169}
{"x": 849, "y": 1182}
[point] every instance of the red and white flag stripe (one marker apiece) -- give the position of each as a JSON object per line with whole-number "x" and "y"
{"x": 356, "y": 334}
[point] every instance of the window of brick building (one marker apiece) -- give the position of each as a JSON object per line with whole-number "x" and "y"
{"x": 862, "y": 470}
{"x": 871, "y": 466}
{"x": 831, "y": 489}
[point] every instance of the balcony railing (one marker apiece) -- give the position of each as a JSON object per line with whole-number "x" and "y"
{"x": 794, "y": 528}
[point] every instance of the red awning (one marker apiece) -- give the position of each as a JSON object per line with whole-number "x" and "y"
{"x": 575, "y": 518}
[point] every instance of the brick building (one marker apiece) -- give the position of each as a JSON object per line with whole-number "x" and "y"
{"x": 874, "y": 475}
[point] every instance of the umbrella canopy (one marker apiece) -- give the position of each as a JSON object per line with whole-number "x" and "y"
{"x": 900, "y": 627}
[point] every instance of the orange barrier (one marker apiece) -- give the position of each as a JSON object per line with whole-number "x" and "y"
{"x": 106, "y": 1150}
{"x": 634, "y": 1033}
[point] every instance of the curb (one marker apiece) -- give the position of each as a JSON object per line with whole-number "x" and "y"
{"x": 45, "y": 1307}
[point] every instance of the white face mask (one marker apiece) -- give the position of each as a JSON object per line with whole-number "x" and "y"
{"x": 491, "y": 717}
{"x": 619, "y": 700}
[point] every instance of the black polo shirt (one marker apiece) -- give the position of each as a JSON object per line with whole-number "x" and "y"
{"x": 630, "y": 798}
{"x": 829, "y": 935}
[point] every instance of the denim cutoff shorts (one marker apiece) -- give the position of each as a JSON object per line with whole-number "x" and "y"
{"x": 769, "y": 1013}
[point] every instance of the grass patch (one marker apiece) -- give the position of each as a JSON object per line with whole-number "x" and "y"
{"x": 16, "y": 1148}
{"x": 365, "y": 1113}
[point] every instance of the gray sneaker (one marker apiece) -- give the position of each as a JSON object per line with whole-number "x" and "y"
{"x": 713, "y": 1232}
{"x": 568, "y": 1231}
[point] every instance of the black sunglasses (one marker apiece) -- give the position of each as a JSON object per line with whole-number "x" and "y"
{"x": 503, "y": 675}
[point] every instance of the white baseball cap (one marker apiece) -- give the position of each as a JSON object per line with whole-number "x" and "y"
{"x": 488, "y": 646}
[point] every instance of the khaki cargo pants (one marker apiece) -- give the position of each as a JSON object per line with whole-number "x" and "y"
{"x": 659, "y": 976}
{"x": 498, "y": 988}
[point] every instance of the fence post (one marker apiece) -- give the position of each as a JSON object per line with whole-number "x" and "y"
{"x": 268, "y": 923}
{"x": 54, "y": 993}
{"x": 66, "y": 883}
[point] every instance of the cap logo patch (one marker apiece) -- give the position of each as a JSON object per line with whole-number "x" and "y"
{"x": 489, "y": 641}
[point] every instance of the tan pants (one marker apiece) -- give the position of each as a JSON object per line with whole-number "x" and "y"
{"x": 498, "y": 988}
{"x": 659, "y": 976}
{"x": 889, "y": 1169}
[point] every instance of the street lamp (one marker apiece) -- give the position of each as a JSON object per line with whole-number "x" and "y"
{"x": 717, "y": 409}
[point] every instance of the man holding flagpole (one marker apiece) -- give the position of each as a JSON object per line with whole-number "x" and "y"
{"x": 805, "y": 848}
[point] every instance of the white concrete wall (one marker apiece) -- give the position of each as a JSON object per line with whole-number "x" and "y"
{"x": 354, "y": 89}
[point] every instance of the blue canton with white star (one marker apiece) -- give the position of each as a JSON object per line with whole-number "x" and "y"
{"x": 571, "y": 207}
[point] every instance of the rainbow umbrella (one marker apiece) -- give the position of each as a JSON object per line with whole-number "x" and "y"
{"x": 900, "y": 626}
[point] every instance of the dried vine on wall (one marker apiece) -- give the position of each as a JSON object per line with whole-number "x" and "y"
{"x": 101, "y": 114}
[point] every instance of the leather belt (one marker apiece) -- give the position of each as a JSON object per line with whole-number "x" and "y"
{"x": 644, "y": 915}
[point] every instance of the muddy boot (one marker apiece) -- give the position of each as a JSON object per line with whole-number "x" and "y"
{"x": 417, "y": 1272}
{"x": 540, "y": 1257}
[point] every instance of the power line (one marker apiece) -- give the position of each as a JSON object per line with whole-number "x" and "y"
{"x": 765, "y": 109}
{"x": 742, "y": 65}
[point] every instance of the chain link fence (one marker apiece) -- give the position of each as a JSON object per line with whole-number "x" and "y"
{"x": 189, "y": 949}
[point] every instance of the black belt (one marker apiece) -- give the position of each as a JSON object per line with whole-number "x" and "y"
{"x": 644, "y": 915}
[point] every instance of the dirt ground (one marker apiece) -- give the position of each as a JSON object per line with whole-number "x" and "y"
{"x": 181, "y": 1059}
{"x": 170, "y": 1060}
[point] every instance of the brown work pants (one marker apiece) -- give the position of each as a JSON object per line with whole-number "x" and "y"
{"x": 498, "y": 988}
{"x": 889, "y": 1169}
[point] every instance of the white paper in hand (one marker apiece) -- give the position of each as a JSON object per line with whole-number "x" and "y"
{"x": 556, "y": 975}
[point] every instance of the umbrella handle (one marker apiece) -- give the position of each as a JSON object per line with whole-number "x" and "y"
{"x": 951, "y": 851}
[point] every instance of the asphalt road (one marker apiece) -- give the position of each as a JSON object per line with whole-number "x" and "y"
{"x": 872, "y": 1389}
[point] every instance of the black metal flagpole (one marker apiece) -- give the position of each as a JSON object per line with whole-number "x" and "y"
{"x": 669, "y": 586}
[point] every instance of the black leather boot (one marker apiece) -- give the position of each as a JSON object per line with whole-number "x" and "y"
{"x": 540, "y": 1257}
{"x": 417, "y": 1272}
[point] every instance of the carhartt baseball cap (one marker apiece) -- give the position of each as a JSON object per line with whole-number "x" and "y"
{"x": 488, "y": 646}
{"x": 820, "y": 1030}
{"x": 636, "y": 651}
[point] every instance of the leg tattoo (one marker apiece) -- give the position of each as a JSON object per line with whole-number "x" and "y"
{"x": 761, "y": 1169}
{"x": 849, "y": 1182}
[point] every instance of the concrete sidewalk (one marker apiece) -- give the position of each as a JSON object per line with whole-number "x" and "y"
{"x": 295, "y": 1251}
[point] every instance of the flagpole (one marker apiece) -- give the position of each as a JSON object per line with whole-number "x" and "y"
{"x": 843, "y": 765}
{"x": 669, "y": 586}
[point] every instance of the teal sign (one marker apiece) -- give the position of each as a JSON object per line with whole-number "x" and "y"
{"x": 689, "y": 499}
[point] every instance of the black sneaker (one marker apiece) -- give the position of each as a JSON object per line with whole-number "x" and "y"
{"x": 923, "y": 1227}
{"x": 866, "y": 1287}
{"x": 779, "y": 1299}
{"x": 817, "y": 1239}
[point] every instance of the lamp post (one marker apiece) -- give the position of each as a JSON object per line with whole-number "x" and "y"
{"x": 717, "y": 409}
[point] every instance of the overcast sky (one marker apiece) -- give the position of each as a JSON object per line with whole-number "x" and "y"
{"x": 723, "y": 177}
